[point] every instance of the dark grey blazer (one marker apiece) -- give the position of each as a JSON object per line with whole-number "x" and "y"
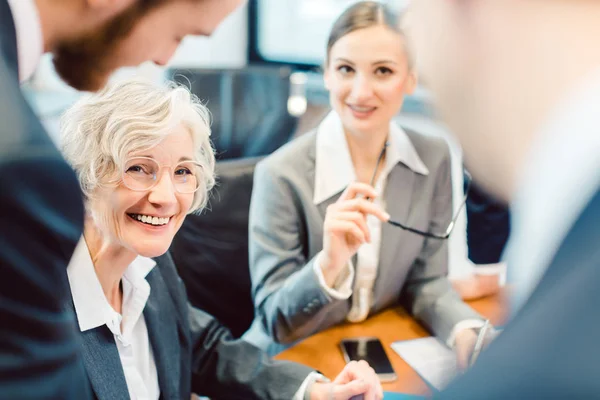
{"x": 192, "y": 351}
{"x": 41, "y": 220}
{"x": 550, "y": 348}
{"x": 286, "y": 233}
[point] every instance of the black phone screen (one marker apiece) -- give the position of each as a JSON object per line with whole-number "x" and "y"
{"x": 368, "y": 349}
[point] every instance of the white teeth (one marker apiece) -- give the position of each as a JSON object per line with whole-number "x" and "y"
{"x": 362, "y": 109}
{"x": 151, "y": 220}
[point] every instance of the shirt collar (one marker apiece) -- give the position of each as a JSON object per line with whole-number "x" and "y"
{"x": 333, "y": 165}
{"x": 30, "y": 42}
{"x": 561, "y": 176}
{"x": 91, "y": 306}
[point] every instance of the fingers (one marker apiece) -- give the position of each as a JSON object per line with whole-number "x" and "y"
{"x": 491, "y": 335}
{"x": 358, "y": 188}
{"x": 364, "y": 206}
{"x": 348, "y": 228}
{"x": 361, "y": 372}
{"x": 462, "y": 358}
{"x": 375, "y": 391}
{"x": 349, "y": 390}
{"x": 356, "y": 218}
{"x": 463, "y": 347}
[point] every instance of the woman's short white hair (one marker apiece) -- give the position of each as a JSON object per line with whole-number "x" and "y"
{"x": 100, "y": 131}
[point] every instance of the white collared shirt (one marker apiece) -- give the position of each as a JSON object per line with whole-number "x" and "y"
{"x": 561, "y": 176}
{"x": 333, "y": 172}
{"x": 129, "y": 329}
{"x": 30, "y": 42}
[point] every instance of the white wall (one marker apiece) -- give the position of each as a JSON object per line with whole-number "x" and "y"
{"x": 227, "y": 48}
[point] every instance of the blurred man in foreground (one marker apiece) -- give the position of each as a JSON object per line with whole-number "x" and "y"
{"x": 519, "y": 83}
{"x": 41, "y": 210}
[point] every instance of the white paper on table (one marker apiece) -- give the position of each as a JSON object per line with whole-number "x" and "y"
{"x": 430, "y": 358}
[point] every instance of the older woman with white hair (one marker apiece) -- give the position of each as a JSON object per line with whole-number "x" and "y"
{"x": 144, "y": 161}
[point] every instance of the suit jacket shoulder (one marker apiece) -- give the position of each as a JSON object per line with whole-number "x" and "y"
{"x": 433, "y": 150}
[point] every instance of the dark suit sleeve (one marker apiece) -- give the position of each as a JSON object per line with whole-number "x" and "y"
{"x": 427, "y": 292}
{"x": 224, "y": 368}
{"x": 41, "y": 215}
{"x": 549, "y": 350}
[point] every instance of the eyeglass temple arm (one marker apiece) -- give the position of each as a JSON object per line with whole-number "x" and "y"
{"x": 418, "y": 232}
{"x": 450, "y": 228}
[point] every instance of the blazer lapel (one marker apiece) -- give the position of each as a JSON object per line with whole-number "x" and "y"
{"x": 322, "y": 207}
{"x": 161, "y": 321}
{"x": 399, "y": 190}
{"x": 103, "y": 365}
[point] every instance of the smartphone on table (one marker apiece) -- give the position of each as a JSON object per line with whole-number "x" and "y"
{"x": 371, "y": 350}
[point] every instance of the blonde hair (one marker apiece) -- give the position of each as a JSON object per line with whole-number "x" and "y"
{"x": 100, "y": 131}
{"x": 365, "y": 14}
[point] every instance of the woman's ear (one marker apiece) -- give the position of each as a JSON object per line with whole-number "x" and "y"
{"x": 411, "y": 82}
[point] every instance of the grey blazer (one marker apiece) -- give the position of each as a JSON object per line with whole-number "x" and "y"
{"x": 286, "y": 233}
{"x": 192, "y": 352}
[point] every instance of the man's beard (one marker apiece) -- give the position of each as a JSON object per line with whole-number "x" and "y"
{"x": 87, "y": 62}
{"x": 82, "y": 66}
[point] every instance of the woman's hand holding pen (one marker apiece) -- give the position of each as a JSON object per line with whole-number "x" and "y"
{"x": 469, "y": 343}
{"x": 345, "y": 228}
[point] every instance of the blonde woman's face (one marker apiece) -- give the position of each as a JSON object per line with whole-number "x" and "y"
{"x": 146, "y": 221}
{"x": 367, "y": 76}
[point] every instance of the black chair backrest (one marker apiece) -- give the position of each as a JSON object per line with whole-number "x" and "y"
{"x": 211, "y": 249}
{"x": 248, "y": 107}
{"x": 488, "y": 226}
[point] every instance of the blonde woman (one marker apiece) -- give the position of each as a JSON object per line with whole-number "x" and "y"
{"x": 351, "y": 218}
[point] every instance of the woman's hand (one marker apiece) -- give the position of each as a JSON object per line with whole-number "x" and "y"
{"x": 357, "y": 379}
{"x": 465, "y": 345}
{"x": 345, "y": 228}
{"x": 477, "y": 285}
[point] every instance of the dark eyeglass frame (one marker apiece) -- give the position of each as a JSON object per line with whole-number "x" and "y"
{"x": 451, "y": 225}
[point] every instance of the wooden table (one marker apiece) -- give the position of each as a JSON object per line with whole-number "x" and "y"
{"x": 322, "y": 352}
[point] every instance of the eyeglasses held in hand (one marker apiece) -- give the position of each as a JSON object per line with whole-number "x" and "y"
{"x": 142, "y": 173}
{"x": 433, "y": 235}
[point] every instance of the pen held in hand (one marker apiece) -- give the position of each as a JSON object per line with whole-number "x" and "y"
{"x": 479, "y": 343}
